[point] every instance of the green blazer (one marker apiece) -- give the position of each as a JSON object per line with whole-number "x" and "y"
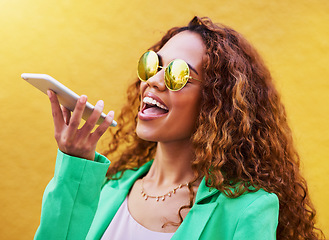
{"x": 79, "y": 203}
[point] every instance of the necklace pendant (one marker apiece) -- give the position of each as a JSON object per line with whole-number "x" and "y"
{"x": 162, "y": 197}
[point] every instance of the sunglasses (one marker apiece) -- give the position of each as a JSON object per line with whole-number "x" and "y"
{"x": 177, "y": 73}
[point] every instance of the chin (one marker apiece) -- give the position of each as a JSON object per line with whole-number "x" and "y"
{"x": 147, "y": 138}
{"x": 145, "y": 134}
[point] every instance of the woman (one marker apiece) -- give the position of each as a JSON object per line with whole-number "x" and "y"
{"x": 202, "y": 151}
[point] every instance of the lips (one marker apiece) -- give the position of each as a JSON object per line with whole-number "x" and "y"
{"x": 152, "y": 108}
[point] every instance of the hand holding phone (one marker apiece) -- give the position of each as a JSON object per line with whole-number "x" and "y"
{"x": 72, "y": 140}
{"x": 66, "y": 97}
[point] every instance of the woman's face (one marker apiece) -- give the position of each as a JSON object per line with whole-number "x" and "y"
{"x": 174, "y": 118}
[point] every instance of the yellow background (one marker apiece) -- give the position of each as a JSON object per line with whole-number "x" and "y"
{"x": 93, "y": 47}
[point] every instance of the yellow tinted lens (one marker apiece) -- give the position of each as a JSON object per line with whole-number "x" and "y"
{"x": 148, "y": 65}
{"x": 177, "y": 74}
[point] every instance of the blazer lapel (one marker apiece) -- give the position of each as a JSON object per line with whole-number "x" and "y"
{"x": 112, "y": 196}
{"x": 197, "y": 218}
{"x": 195, "y": 222}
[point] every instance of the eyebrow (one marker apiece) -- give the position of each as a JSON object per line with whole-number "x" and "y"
{"x": 189, "y": 65}
{"x": 192, "y": 68}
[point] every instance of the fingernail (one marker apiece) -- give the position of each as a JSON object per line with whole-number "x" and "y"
{"x": 49, "y": 93}
{"x": 100, "y": 103}
{"x": 83, "y": 99}
{"x": 111, "y": 113}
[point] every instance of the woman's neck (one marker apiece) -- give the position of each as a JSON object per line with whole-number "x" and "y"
{"x": 172, "y": 164}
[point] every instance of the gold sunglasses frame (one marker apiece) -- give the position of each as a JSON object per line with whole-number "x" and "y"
{"x": 168, "y": 78}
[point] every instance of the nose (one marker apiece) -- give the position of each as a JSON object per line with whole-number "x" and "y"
{"x": 157, "y": 81}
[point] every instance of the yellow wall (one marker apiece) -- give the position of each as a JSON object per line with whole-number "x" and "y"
{"x": 93, "y": 46}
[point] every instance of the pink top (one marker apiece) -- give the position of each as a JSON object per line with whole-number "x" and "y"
{"x": 125, "y": 227}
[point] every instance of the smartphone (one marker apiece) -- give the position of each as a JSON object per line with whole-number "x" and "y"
{"x": 66, "y": 96}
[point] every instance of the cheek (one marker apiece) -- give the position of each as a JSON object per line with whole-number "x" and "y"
{"x": 142, "y": 86}
{"x": 187, "y": 110}
{"x": 187, "y": 101}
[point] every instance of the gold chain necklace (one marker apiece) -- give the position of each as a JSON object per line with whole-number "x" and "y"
{"x": 162, "y": 197}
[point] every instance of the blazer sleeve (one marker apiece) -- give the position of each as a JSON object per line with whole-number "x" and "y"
{"x": 259, "y": 220}
{"x": 70, "y": 200}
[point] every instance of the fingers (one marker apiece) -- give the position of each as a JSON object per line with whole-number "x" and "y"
{"x": 56, "y": 110}
{"x": 66, "y": 115}
{"x": 76, "y": 116}
{"x": 101, "y": 129}
{"x": 72, "y": 140}
{"x": 85, "y": 131}
{"x": 92, "y": 120}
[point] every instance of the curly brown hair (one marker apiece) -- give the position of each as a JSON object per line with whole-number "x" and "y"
{"x": 242, "y": 140}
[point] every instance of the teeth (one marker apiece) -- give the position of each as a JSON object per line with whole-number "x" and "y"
{"x": 154, "y": 102}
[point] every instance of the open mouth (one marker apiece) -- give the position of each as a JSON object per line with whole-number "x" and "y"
{"x": 153, "y": 107}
